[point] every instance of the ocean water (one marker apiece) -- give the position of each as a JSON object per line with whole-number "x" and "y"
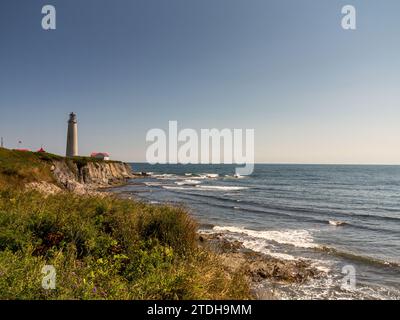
{"x": 292, "y": 212}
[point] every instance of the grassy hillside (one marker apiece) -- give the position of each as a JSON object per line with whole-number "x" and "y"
{"x": 18, "y": 167}
{"x": 100, "y": 247}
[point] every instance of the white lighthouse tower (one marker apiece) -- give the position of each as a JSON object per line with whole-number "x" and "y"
{"x": 72, "y": 136}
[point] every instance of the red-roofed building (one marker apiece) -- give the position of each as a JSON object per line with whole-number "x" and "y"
{"x": 23, "y": 150}
{"x": 100, "y": 155}
{"x": 41, "y": 150}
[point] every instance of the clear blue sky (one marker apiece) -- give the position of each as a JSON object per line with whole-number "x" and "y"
{"x": 313, "y": 92}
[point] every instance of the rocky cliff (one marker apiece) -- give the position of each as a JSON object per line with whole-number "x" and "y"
{"x": 51, "y": 173}
{"x": 81, "y": 175}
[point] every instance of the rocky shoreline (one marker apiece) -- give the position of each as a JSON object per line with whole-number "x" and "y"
{"x": 84, "y": 177}
{"x": 264, "y": 273}
{"x": 261, "y": 271}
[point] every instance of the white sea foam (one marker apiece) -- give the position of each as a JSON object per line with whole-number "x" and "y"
{"x": 297, "y": 238}
{"x": 262, "y": 246}
{"x": 211, "y": 175}
{"x": 204, "y": 176}
{"x": 222, "y": 188}
{"x": 189, "y": 182}
{"x": 235, "y": 176}
{"x": 197, "y": 177}
{"x": 182, "y": 185}
{"x": 322, "y": 265}
{"x": 325, "y": 288}
{"x": 153, "y": 184}
{"x": 169, "y": 176}
{"x": 337, "y": 223}
{"x": 177, "y": 188}
{"x": 166, "y": 176}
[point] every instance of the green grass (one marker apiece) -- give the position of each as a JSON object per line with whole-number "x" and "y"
{"x": 105, "y": 248}
{"x": 101, "y": 247}
{"x": 20, "y": 167}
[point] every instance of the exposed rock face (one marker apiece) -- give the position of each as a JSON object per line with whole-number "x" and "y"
{"x": 43, "y": 187}
{"x": 83, "y": 177}
{"x": 105, "y": 173}
{"x": 257, "y": 266}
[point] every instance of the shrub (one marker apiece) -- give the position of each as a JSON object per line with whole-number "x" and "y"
{"x": 105, "y": 248}
{"x": 171, "y": 226}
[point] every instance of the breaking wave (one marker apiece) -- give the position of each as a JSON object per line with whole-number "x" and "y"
{"x": 297, "y": 238}
{"x": 223, "y": 188}
{"x": 189, "y": 182}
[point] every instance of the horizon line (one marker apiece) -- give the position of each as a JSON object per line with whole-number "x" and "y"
{"x": 274, "y": 163}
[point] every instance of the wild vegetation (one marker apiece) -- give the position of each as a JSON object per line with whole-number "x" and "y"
{"x": 20, "y": 167}
{"x": 100, "y": 247}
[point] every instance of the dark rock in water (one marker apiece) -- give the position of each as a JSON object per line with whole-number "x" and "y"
{"x": 219, "y": 244}
{"x": 337, "y": 223}
{"x": 141, "y": 173}
{"x": 287, "y": 271}
{"x": 257, "y": 266}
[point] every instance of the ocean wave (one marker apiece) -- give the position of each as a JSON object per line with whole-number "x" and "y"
{"x": 357, "y": 257}
{"x": 260, "y": 241}
{"x": 165, "y": 176}
{"x": 235, "y": 176}
{"x": 302, "y": 239}
{"x": 298, "y": 238}
{"x": 211, "y": 175}
{"x": 200, "y": 176}
{"x": 337, "y": 223}
{"x": 177, "y": 188}
{"x": 315, "y": 215}
{"x": 260, "y": 246}
{"x": 196, "y": 187}
{"x": 193, "y": 176}
{"x": 189, "y": 182}
{"x": 222, "y": 188}
{"x": 322, "y": 218}
{"x": 328, "y": 288}
{"x": 153, "y": 184}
